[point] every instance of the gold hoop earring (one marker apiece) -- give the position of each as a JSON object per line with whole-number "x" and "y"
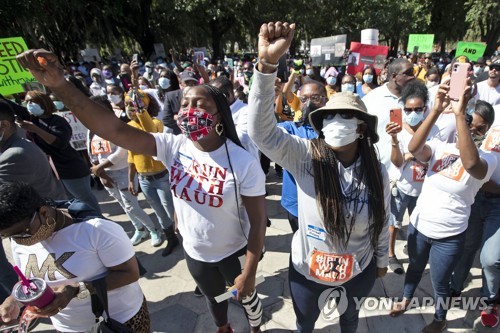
{"x": 47, "y": 222}
{"x": 219, "y": 129}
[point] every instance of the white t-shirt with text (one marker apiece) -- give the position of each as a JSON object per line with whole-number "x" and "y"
{"x": 81, "y": 252}
{"x": 443, "y": 207}
{"x": 203, "y": 189}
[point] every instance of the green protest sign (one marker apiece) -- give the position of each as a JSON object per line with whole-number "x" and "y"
{"x": 473, "y": 50}
{"x": 424, "y": 42}
{"x": 12, "y": 75}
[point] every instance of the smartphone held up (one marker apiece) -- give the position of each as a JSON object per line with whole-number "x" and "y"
{"x": 458, "y": 79}
{"x": 395, "y": 116}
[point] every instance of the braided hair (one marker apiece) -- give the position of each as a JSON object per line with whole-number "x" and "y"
{"x": 331, "y": 198}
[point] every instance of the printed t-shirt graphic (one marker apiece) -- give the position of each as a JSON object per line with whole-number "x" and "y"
{"x": 331, "y": 267}
{"x": 492, "y": 142}
{"x": 419, "y": 171}
{"x": 193, "y": 181}
{"x": 100, "y": 146}
{"x": 449, "y": 165}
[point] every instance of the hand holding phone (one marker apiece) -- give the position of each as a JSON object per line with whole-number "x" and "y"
{"x": 396, "y": 116}
{"x": 458, "y": 79}
{"x": 137, "y": 100}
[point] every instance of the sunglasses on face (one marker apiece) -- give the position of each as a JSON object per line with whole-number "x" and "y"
{"x": 419, "y": 109}
{"x": 343, "y": 115}
{"x": 314, "y": 99}
{"x": 408, "y": 73}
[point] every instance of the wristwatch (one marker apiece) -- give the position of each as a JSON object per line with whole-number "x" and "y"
{"x": 83, "y": 291}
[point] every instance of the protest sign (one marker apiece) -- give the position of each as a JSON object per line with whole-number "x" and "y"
{"x": 362, "y": 55}
{"x": 423, "y": 42}
{"x": 90, "y": 55}
{"x": 79, "y": 138}
{"x": 473, "y": 50}
{"x": 328, "y": 50}
{"x": 160, "y": 50}
{"x": 12, "y": 75}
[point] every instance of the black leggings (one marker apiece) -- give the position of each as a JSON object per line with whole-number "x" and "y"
{"x": 212, "y": 279}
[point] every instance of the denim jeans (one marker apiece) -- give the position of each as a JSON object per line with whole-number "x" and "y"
{"x": 305, "y": 295}
{"x": 480, "y": 211}
{"x": 490, "y": 253}
{"x": 127, "y": 201}
{"x": 399, "y": 204}
{"x": 442, "y": 254}
{"x": 8, "y": 277}
{"x": 81, "y": 190}
{"x": 159, "y": 197}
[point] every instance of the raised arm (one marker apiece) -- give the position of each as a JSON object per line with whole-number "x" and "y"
{"x": 417, "y": 146}
{"x": 396, "y": 155}
{"x": 46, "y": 68}
{"x": 469, "y": 154}
{"x": 287, "y": 89}
{"x": 285, "y": 149}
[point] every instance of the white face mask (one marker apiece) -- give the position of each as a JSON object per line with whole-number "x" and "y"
{"x": 149, "y": 70}
{"x": 478, "y": 70}
{"x": 115, "y": 99}
{"x": 347, "y": 87}
{"x": 164, "y": 83}
{"x": 331, "y": 80}
{"x": 340, "y": 132}
{"x": 143, "y": 87}
{"x": 430, "y": 84}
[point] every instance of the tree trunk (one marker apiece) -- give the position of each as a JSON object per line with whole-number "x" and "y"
{"x": 491, "y": 40}
{"x": 147, "y": 42}
{"x": 216, "y": 41}
{"x": 443, "y": 44}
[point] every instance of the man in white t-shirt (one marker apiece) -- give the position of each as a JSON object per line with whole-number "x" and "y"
{"x": 489, "y": 90}
{"x": 384, "y": 98}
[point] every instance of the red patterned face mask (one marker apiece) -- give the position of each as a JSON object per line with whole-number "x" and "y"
{"x": 194, "y": 123}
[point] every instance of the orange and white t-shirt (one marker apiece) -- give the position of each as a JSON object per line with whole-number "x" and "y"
{"x": 443, "y": 207}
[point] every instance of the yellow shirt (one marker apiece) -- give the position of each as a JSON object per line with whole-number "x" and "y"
{"x": 295, "y": 105}
{"x": 329, "y": 91}
{"x": 421, "y": 75}
{"x": 145, "y": 164}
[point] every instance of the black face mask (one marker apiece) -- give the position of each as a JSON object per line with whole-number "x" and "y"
{"x": 306, "y": 110}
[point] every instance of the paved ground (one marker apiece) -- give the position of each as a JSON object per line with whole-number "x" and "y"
{"x": 169, "y": 287}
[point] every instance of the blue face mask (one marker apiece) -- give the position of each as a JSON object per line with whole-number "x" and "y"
{"x": 59, "y": 105}
{"x": 163, "y": 82}
{"x": 347, "y": 87}
{"x": 368, "y": 78}
{"x": 331, "y": 80}
{"x": 413, "y": 118}
{"x": 35, "y": 109}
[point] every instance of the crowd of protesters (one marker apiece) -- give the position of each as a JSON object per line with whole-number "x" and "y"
{"x": 198, "y": 138}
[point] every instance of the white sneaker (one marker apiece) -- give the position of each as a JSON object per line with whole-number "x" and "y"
{"x": 138, "y": 236}
{"x": 156, "y": 239}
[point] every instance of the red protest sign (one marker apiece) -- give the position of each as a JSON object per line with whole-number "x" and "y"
{"x": 363, "y": 55}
